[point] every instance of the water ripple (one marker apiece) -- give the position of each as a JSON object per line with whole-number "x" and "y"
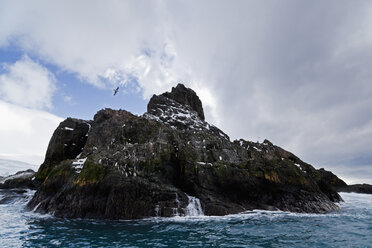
{"x": 349, "y": 227}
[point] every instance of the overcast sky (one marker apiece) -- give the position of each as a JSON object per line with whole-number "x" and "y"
{"x": 295, "y": 72}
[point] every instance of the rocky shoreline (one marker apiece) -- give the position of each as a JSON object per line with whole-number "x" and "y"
{"x": 22, "y": 179}
{"x": 169, "y": 162}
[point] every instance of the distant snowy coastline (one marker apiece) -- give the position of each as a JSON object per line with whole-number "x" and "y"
{"x": 10, "y": 167}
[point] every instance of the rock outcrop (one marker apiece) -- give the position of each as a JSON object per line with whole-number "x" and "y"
{"x": 180, "y": 94}
{"x": 357, "y": 188}
{"x": 67, "y": 142}
{"x": 328, "y": 179}
{"x": 123, "y": 166}
{"x": 22, "y": 179}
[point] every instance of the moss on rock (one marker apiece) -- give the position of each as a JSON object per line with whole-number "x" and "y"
{"x": 91, "y": 173}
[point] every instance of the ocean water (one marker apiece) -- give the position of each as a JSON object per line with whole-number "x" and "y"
{"x": 349, "y": 227}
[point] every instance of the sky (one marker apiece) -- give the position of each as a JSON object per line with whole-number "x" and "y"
{"x": 293, "y": 71}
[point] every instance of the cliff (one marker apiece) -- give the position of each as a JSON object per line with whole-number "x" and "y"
{"x": 123, "y": 166}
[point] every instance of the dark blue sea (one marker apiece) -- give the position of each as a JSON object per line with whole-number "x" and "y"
{"x": 349, "y": 227}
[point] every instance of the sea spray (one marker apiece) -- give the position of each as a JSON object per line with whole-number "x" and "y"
{"x": 175, "y": 210}
{"x": 194, "y": 207}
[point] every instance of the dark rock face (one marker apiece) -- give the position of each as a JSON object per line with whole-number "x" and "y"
{"x": 67, "y": 142}
{"x": 329, "y": 180}
{"x": 128, "y": 166}
{"x": 330, "y": 183}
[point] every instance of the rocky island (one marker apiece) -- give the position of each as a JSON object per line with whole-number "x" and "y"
{"x": 168, "y": 162}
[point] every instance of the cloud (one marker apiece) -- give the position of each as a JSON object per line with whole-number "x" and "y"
{"x": 295, "y": 72}
{"x": 26, "y": 88}
{"x": 67, "y": 99}
{"x": 25, "y": 133}
{"x": 27, "y": 83}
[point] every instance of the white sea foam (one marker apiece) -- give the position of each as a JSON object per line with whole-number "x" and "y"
{"x": 350, "y": 208}
{"x": 194, "y": 207}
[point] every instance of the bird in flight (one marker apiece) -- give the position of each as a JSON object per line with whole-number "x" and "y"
{"x": 116, "y": 90}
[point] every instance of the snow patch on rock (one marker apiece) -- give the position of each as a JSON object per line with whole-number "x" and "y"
{"x": 78, "y": 164}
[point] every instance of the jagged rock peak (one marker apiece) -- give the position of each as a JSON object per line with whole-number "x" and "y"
{"x": 182, "y": 95}
{"x": 68, "y": 140}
